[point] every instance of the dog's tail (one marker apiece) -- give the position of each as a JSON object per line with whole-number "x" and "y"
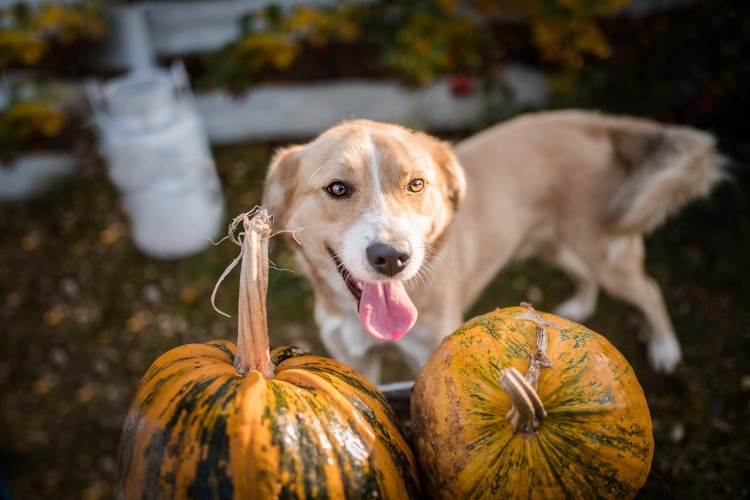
{"x": 666, "y": 168}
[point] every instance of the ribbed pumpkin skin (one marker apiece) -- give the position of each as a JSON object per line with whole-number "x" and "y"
{"x": 197, "y": 429}
{"x": 596, "y": 442}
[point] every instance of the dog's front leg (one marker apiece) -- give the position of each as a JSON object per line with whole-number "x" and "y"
{"x": 369, "y": 364}
{"x": 347, "y": 342}
{"x": 434, "y": 324}
{"x": 416, "y": 348}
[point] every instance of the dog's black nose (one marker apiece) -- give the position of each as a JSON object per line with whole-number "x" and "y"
{"x": 389, "y": 259}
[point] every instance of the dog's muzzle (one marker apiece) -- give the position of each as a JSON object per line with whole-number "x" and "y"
{"x": 389, "y": 259}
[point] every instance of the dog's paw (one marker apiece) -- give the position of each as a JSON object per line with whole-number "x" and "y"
{"x": 664, "y": 354}
{"x": 574, "y": 310}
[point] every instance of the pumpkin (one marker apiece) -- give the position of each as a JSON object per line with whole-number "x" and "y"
{"x": 577, "y": 425}
{"x": 216, "y": 420}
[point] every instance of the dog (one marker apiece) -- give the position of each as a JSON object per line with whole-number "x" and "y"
{"x": 400, "y": 232}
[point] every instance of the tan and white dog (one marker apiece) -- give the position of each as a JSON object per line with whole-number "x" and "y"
{"x": 399, "y": 232}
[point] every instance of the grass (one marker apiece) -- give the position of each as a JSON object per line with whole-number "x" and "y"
{"x": 83, "y": 314}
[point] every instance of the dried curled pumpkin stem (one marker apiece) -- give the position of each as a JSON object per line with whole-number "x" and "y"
{"x": 252, "y": 338}
{"x": 527, "y": 410}
{"x": 252, "y": 332}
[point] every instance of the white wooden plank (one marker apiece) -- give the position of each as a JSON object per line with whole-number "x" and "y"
{"x": 179, "y": 28}
{"x": 289, "y": 111}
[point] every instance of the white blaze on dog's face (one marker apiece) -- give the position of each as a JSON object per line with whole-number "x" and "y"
{"x": 366, "y": 201}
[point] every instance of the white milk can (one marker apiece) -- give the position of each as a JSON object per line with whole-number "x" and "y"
{"x": 158, "y": 156}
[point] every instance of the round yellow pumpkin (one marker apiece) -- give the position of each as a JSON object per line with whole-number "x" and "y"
{"x": 214, "y": 421}
{"x": 592, "y": 438}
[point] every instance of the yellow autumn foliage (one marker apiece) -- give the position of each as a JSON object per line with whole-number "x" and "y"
{"x": 66, "y": 23}
{"x": 33, "y": 118}
{"x": 319, "y": 27}
{"x": 421, "y": 39}
{"x": 26, "y": 40}
{"x": 259, "y": 50}
{"x": 569, "y": 42}
{"x": 19, "y": 45}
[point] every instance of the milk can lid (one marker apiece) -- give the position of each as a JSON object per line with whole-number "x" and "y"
{"x": 143, "y": 99}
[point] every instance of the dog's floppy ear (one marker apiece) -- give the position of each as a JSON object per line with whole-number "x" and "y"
{"x": 281, "y": 182}
{"x": 455, "y": 179}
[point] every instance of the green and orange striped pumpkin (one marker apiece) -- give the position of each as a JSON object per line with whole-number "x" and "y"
{"x": 219, "y": 420}
{"x": 596, "y": 439}
{"x": 318, "y": 429}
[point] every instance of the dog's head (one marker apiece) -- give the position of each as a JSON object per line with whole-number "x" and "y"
{"x": 367, "y": 202}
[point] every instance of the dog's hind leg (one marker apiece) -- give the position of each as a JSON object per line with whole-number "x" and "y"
{"x": 621, "y": 273}
{"x": 583, "y": 302}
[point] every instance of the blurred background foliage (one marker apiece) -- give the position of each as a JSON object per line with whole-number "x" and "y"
{"x": 31, "y": 33}
{"x": 83, "y": 313}
{"x": 28, "y": 123}
{"x": 416, "y": 41}
{"x": 41, "y": 41}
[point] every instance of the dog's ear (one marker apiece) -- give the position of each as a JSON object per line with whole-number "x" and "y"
{"x": 449, "y": 167}
{"x": 281, "y": 182}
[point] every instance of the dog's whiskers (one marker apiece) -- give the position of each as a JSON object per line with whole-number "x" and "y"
{"x": 425, "y": 276}
{"x": 435, "y": 256}
{"x": 428, "y": 276}
{"x": 427, "y": 271}
{"x": 318, "y": 272}
{"x": 424, "y": 281}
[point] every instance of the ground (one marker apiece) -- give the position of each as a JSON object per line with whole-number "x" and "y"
{"x": 83, "y": 314}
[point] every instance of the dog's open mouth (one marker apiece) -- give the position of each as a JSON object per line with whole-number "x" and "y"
{"x": 385, "y": 309}
{"x": 352, "y": 284}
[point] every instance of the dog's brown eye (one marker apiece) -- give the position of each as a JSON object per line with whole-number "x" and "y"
{"x": 337, "y": 189}
{"x": 416, "y": 185}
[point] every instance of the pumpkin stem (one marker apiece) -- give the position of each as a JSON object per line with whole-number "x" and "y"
{"x": 527, "y": 410}
{"x": 252, "y": 337}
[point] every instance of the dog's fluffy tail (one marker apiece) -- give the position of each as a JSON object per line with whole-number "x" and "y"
{"x": 667, "y": 167}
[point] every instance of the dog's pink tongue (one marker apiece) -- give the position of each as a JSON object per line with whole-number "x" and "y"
{"x": 385, "y": 310}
